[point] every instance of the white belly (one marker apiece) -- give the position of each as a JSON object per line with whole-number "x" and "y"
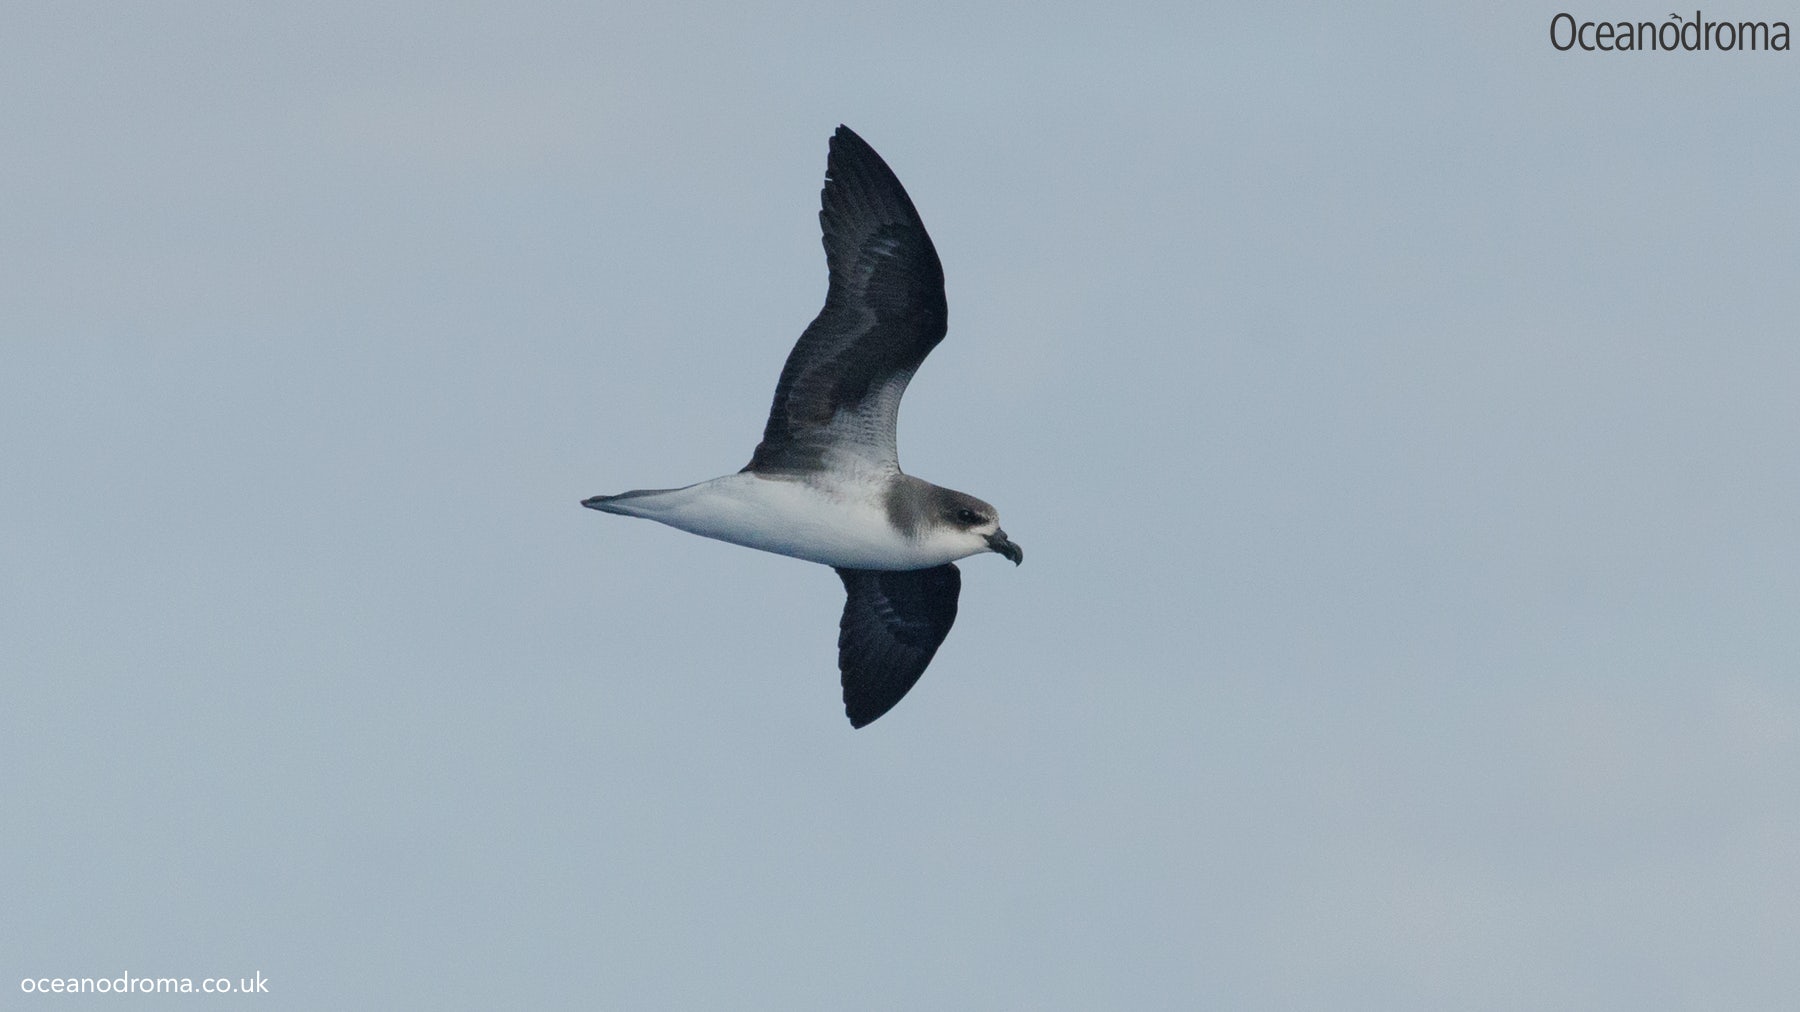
{"x": 844, "y": 527}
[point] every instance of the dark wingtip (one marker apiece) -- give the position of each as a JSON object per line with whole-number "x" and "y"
{"x": 862, "y": 711}
{"x": 595, "y": 502}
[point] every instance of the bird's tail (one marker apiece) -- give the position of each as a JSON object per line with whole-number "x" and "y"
{"x": 623, "y": 503}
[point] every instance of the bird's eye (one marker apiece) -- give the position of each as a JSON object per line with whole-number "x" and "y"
{"x": 967, "y": 516}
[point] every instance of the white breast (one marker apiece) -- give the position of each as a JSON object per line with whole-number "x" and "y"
{"x": 843, "y": 525}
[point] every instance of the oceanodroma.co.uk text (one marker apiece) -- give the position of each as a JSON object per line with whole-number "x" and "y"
{"x": 125, "y": 983}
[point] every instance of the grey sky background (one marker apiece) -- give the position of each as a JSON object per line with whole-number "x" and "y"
{"x": 1398, "y": 416}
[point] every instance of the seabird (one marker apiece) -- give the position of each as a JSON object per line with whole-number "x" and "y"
{"x": 825, "y": 483}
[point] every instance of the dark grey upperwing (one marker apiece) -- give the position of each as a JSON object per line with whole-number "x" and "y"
{"x": 893, "y": 623}
{"x": 884, "y": 312}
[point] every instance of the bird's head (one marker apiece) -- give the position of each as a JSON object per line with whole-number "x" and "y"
{"x": 975, "y": 524}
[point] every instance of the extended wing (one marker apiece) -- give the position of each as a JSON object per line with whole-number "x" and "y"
{"x": 884, "y": 312}
{"x": 894, "y": 621}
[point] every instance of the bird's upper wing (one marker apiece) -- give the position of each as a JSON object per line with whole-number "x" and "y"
{"x": 893, "y": 623}
{"x": 884, "y": 312}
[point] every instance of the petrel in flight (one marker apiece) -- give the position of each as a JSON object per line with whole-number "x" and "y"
{"x": 825, "y": 483}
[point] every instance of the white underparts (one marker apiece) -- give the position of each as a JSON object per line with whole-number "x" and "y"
{"x": 844, "y": 525}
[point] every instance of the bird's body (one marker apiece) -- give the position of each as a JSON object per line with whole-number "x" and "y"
{"x": 843, "y": 523}
{"x": 825, "y": 483}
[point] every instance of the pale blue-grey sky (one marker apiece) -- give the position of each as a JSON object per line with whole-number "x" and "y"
{"x": 1398, "y": 415}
